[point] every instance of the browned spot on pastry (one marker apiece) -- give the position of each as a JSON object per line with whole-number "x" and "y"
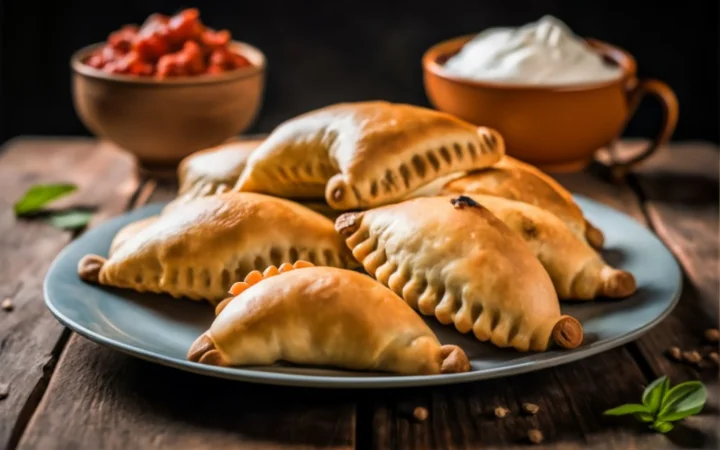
{"x": 617, "y": 283}
{"x": 348, "y": 223}
{"x": 190, "y": 274}
{"x": 89, "y": 268}
{"x": 203, "y": 350}
{"x": 493, "y": 139}
{"x": 390, "y": 177}
{"x": 309, "y": 168}
{"x": 445, "y": 154}
{"x": 419, "y": 165}
{"x": 472, "y": 150}
{"x": 173, "y": 277}
{"x": 488, "y": 142}
{"x": 567, "y": 332}
{"x": 338, "y": 193}
{"x": 529, "y": 229}
{"x": 259, "y": 263}
{"x": 374, "y": 188}
{"x": 356, "y": 192}
{"x": 433, "y": 160}
{"x": 514, "y": 330}
{"x": 275, "y": 256}
{"x": 454, "y": 359}
{"x": 458, "y": 151}
{"x": 225, "y": 279}
{"x": 405, "y": 174}
{"x": 139, "y": 277}
{"x": 312, "y": 257}
{"x": 595, "y": 237}
{"x": 281, "y": 173}
{"x": 293, "y": 254}
{"x": 463, "y": 201}
{"x": 329, "y": 256}
{"x": 296, "y": 172}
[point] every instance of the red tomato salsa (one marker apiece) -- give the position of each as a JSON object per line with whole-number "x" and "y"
{"x": 166, "y": 47}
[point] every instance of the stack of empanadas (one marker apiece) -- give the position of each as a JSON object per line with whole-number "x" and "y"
{"x": 490, "y": 253}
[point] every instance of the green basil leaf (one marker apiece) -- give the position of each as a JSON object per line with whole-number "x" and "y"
{"x": 675, "y": 416}
{"x": 662, "y": 427}
{"x": 71, "y": 219}
{"x": 682, "y": 400}
{"x": 654, "y": 393}
{"x": 40, "y": 195}
{"x": 644, "y": 417}
{"x": 630, "y": 408}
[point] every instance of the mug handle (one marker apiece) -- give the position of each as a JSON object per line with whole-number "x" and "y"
{"x": 669, "y": 102}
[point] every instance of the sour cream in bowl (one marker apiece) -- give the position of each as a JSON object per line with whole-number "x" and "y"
{"x": 545, "y": 52}
{"x": 554, "y": 96}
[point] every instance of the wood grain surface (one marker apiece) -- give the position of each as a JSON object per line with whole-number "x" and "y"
{"x": 99, "y": 398}
{"x": 30, "y": 338}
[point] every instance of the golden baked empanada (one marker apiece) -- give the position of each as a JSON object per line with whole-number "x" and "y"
{"x": 516, "y": 180}
{"x": 214, "y": 170}
{"x": 129, "y": 231}
{"x": 324, "y": 316}
{"x": 366, "y": 154}
{"x": 211, "y": 171}
{"x": 458, "y": 262}
{"x": 577, "y": 271}
{"x": 200, "y": 248}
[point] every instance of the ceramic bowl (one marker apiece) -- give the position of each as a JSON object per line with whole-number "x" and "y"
{"x": 162, "y": 121}
{"x": 559, "y": 127}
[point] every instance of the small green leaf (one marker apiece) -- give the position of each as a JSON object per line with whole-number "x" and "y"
{"x": 630, "y": 408}
{"x": 644, "y": 417}
{"x": 662, "y": 427}
{"x": 71, "y": 219}
{"x": 682, "y": 401}
{"x": 654, "y": 393}
{"x": 40, "y": 195}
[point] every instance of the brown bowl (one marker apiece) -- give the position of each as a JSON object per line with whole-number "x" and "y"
{"x": 162, "y": 121}
{"x": 557, "y": 128}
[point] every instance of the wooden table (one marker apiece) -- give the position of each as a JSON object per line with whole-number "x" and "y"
{"x": 67, "y": 392}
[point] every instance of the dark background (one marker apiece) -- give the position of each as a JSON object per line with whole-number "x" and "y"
{"x": 325, "y": 52}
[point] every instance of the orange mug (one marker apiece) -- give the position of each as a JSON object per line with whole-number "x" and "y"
{"x": 556, "y": 128}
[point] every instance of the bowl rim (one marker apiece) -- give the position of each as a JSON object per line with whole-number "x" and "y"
{"x": 617, "y": 55}
{"x": 254, "y": 54}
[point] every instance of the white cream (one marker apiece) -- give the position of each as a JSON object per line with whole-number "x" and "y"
{"x": 541, "y": 53}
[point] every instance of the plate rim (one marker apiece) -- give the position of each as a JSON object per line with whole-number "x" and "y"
{"x": 254, "y": 375}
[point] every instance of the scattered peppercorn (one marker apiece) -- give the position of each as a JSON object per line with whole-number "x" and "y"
{"x": 420, "y": 413}
{"x": 7, "y": 304}
{"x": 530, "y": 408}
{"x": 675, "y": 353}
{"x": 712, "y": 335}
{"x": 535, "y": 436}
{"x": 463, "y": 201}
{"x": 501, "y": 412}
{"x": 692, "y": 357}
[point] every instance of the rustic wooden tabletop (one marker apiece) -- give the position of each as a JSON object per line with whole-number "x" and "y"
{"x": 64, "y": 391}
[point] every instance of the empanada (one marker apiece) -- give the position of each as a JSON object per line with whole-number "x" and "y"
{"x": 211, "y": 171}
{"x": 129, "y": 231}
{"x": 365, "y": 154}
{"x": 323, "y": 316}
{"x": 516, "y": 180}
{"x": 577, "y": 271}
{"x": 458, "y": 262}
{"x": 200, "y": 248}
